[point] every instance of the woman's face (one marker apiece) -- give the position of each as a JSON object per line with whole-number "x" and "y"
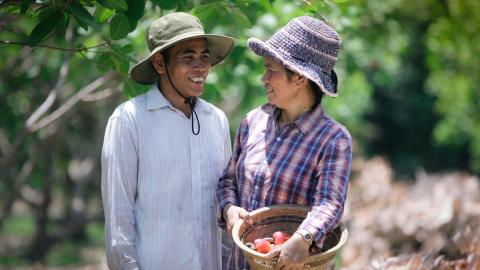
{"x": 280, "y": 91}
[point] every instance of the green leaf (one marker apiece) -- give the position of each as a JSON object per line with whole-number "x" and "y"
{"x": 25, "y": 6}
{"x": 183, "y": 5}
{"x": 102, "y": 14}
{"x": 119, "y": 26}
{"x": 166, "y": 4}
{"x": 44, "y": 28}
{"x": 82, "y": 15}
{"x": 132, "y": 89}
{"x": 123, "y": 52}
{"x": 104, "y": 62}
{"x": 206, "y": 12}
{"x": 119, "y": 5}
{"x": 135, "y": 11}
{"x": 47, "y": 10}
{"x": 241, "y": 19}
{"x": 120, "y": 64}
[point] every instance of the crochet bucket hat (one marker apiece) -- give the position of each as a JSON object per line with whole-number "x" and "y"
{"x": 306, "y": 46}
{"x": 170, "y": 30}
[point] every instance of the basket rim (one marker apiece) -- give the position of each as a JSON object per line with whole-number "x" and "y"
{"x": 240, "y": 222}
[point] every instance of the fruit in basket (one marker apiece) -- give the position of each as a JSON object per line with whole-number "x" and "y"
{"x": 262, "y": 245}
{"x": 280, "y": 237}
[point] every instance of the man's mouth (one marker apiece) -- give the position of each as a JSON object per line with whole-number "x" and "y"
{"x": 197, "y": 80}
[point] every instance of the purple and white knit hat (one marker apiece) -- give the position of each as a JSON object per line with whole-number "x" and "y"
{"x": 306, "y": 46}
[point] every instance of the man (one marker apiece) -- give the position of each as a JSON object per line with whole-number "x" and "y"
{"x": 159, "y": 169}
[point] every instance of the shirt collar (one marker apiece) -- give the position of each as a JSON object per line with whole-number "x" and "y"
{"x": 305, "y": 123}
{"x": 156, "y": 100}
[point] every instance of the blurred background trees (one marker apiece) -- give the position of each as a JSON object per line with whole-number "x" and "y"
{"x": 408, "y": 79}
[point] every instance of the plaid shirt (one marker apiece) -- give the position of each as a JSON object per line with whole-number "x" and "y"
{"x": 307, "y": 163}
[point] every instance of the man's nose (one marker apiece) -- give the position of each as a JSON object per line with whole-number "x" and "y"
{"x": 201, "y": 64}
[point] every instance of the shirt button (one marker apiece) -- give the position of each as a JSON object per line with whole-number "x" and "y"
{"x": 256, "y": 187}
{"x": 278, "y": 139}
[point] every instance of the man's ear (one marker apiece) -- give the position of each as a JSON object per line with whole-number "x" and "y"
{"x": 158, "y": 63}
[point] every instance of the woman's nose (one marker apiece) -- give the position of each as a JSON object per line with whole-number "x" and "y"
{"x": 265, "y": 78}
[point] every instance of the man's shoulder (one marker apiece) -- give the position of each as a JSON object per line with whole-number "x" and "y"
{"x": 212, "y": 108}
{"x": 130, "y": 107}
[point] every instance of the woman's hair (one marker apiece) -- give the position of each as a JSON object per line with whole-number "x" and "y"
{"x": 313, "y": 86}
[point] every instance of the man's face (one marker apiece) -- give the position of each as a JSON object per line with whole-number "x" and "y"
{"x": 188, "y": 66}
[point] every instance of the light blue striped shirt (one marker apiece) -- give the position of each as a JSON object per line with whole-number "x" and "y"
{"x": 158, "y": 185}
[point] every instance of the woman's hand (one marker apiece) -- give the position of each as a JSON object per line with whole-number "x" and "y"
{"x": 293, "y": 253}
{"x": 232, "y": 214}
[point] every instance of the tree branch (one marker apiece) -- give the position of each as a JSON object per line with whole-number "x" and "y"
{"x": 21, "y": 178}
{"x": 7, "y": 42}
{"x": 72, "y": 101}
{"x": 54, "y": 92}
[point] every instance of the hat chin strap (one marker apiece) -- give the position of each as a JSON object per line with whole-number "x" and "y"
{"x": 191, "y": 103}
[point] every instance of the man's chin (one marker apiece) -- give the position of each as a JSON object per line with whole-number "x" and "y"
{"x": 198, "y": 90}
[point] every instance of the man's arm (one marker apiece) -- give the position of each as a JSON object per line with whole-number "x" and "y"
{"x": 119, "y": 182}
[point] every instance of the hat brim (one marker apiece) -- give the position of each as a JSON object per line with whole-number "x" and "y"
{"x": 218, "y": 45}
{"x": 312, "y": 72}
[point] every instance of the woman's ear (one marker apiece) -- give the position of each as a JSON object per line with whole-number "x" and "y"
{"x": 300, "y": 80}
{"x": 158, "y": 63}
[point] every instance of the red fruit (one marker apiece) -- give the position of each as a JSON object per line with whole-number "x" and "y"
{"x": 280, "y": 237}
{"x": 262, "y": 245}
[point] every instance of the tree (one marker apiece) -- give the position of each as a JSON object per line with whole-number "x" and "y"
{"x": 404, "y": 65}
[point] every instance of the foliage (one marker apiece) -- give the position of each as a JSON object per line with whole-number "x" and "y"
{"x": 409, "y": 89}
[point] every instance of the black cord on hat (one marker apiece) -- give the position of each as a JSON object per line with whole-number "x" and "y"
{"x": 191, "y": 103}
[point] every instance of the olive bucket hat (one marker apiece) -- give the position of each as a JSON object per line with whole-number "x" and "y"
{"x": 170, "y": 30}
{"x": 306, "y": 46}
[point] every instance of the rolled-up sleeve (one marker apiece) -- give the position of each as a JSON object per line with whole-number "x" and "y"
{"x": 119, "y": 182}
{"x": 333, "y": 172}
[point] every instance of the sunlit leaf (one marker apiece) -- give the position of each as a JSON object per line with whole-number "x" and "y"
{"x": 102, "y": 14}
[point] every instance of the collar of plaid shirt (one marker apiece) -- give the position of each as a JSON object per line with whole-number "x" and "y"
{"x": 305, "y": 123}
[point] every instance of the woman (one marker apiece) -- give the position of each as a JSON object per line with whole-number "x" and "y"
{"x": 289, "y": 151}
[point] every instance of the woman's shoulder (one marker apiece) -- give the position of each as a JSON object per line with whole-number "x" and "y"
{"x": 337, "y": 129}
{"x": 260, "y": 112}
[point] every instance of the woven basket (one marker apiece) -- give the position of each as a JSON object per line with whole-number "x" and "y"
{"x": 286, "y": 218}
